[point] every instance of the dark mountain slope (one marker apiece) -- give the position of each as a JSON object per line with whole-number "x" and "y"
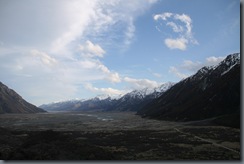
{"x": 11, "y": 102}
{"x": 211, "y": 92}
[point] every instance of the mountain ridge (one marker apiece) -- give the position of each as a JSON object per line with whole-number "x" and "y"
{"x": 108, "y": 103}
{"x": 12, "y": 102}
{"x": 211, "y": 92}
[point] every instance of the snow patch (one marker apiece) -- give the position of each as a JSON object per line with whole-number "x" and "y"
{"x": 228, "y": 70}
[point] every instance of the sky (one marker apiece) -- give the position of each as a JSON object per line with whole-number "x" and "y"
{"x": 76, "y": 49}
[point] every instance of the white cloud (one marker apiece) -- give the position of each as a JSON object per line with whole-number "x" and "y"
{"x": 158, "y": 75}
{"x": 91, "y": 50}
{"x": 103, "y": 68}
{"x": 88, "y": 64}
{"x": 96, "y": 65}
{"x": 111, "y": 76}
{"x": 129, "y": 32}
{"x": 175, "y": 27}
{"x": 184, "y": 31}
{"x": 177, "y": 73}
{"x": 141, "y": 83}
{"x": 44, "y": 57}
{"x": 107, "y": 91}
{"x": 163, "y": 16}
{"x": 114, "y": 77}
{"x": 55, "y": 46}
{"x": 179, "y": 43}
{"x": 191, "y": 66}
{"x": 80, "y": 15}
{"x": 214, "y": 60}
{"x": 185, "y": 19}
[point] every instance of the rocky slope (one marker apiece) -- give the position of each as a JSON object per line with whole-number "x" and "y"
{"x": 11, "y": 102}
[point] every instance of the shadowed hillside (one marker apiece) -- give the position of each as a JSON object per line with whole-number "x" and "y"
{"x": 11, "y": 102}
{"x": 211, "y": 92}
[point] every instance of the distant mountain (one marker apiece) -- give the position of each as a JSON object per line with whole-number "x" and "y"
{"x": 62, "y": 105}
{"x": 92, "y": 104}
{"x": 132, "y": 101}
{"x": 211, "y": 92}
{"x": 11, "y": 102}
{"x": 136, "y": 99}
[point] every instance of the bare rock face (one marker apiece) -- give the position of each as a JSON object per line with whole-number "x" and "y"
{"x": 11, "y": 102}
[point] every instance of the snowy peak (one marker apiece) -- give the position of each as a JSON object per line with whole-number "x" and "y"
{"x": 137, "y": 94}
{"x": 228, "y": 63}
{"x": 155, "y": 92}
{"x": 204, "y": 70}
{"x": 222, "y": 68}
{"x": 127, "y": 102}
{"x": 164, "y": 87}
{"x": 231, "y": 60}
{"x": 201, "y": 73}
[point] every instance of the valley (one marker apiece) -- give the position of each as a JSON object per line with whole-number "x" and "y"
{"x": 113, "y": 136}
{"x": 154, "y": 80}
{"x": 197, "y": 118}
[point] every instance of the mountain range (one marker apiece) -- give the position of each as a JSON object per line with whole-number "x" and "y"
{"x": 11, "y": 102}
{"x": 132, "y": 101}
{"x": 213, "y": 92}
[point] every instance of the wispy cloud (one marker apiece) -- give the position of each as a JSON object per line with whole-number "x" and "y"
{"x": 141, "y": 83}
{"x": 106, "y": 91}
{"x": 44, "y": 57}
{"x": 158, "y": 75}
{"x": 177, "y": 73}
{"x": 91, "y": 50}
{"x": 59, "y": 45}
{"x": 176, "y": 28}
{"x": 163, "y": 16}
{"x": 212, "y": 60}
{"x": 181, "y": 24}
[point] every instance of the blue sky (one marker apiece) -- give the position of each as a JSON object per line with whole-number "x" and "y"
{"x": 59, "y": 50}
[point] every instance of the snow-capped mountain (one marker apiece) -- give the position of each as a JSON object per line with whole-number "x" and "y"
{"x": 61, "y": 105}
{"x": 211, "y": 92}
{"x": 154, "y": 92}
{"x": 158, "y": 91}
{"x": 135, "y": 100}
{"x": 187, "y": 95}
{"x": 223, "y": 67}
{"x": 127, "y": 102}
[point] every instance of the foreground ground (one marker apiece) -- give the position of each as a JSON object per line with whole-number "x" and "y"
{"x": 112, "y": 136}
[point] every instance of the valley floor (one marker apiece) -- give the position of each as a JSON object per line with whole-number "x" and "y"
{"x": 112, "y": 136}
